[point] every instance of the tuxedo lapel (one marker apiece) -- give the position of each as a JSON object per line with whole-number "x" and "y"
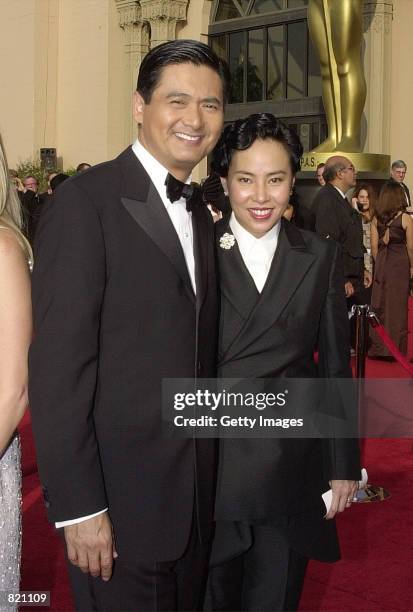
{"x": 201, "y": 237}
{"x": 236, "y": 282}
{"x": 289, "y": 267}
{"x": 146, "y": 208}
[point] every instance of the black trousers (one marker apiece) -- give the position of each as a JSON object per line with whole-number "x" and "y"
{"x": 267, "y": 577}
{"x": 147, "y": 586}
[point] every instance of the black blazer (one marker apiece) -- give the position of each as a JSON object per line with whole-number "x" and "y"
{"x": 336, "y": 219}
{"x": 32, "y": 206}
{"x": 274, "y": 335}
{"x": 405, "y": 188}
{"x": 114, "y": 314}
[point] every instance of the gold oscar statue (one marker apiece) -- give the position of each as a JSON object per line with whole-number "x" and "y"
{"x": 336, "y": 31}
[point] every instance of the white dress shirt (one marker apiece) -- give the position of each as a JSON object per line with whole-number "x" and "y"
{"x": 182, "y": 222}
{"x": 180, "y": 217}
{"x": 257, "y": 253}
{"x": 343, "y": 195}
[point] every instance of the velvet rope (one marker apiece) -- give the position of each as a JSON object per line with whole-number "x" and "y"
{"x": 382, "y": 333}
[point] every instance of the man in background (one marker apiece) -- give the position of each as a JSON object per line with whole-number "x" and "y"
{"x": 319, "y": 174}
{"x": 32, "y": 202}
{"x": 82, "y": 167}
{"x": 398, "y": 174}
{"x": 337, "y": 220}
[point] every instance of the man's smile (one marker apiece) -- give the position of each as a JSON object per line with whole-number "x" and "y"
{"x": 190, "y": 138}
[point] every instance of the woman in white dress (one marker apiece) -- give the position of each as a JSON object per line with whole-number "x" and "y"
{"x": 15, "y": 336}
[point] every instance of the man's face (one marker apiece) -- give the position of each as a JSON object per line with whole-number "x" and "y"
{"x": 31, "y": 184}
{"x": 319, "y": 175}
{"x": 259, "y": 184}
{"x": 398, "y": 174}
{"x": 183, "y": 120}
{"x": 348, "y": 174}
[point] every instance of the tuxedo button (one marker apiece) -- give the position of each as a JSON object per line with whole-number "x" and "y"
{"x": 199, "y": 368}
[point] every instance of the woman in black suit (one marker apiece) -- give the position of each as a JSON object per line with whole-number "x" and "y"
{"x": 282, "y": 297}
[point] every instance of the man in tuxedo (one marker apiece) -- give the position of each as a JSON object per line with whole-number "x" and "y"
{"x": 398, "y": 174}
{"x": 124, "y": 296}
{"x": 32, "y": 203}
{"x": 337, "y": 220}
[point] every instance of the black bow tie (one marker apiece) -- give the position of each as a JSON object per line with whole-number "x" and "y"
{"x": 211, "y": 192}
{"x": 175, "y": 190}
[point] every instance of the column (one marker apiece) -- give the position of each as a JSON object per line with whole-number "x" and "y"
{"x": 378, "y": 16}
{"x": 136, "y": 45}
{"x": 163, "y": 16}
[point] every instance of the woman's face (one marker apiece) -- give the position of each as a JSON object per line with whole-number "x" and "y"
{"x": 259, "y": 185}
{"x": 363, "y": 198}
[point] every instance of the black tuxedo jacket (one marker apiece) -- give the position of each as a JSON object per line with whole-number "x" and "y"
{"x": 336, "y": 219}
{"x": 32, "y": 206}
{"x": 114, "y": 314}
{"x": 274, "y": 335}
{"x": 405, "y": 188}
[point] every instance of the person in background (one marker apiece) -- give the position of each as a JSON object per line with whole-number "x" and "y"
{"x": 337, "y": 220}
{"x": 298, "y": 214}
{"x": 49, "y": 178}
{"x": 30, "y": 183}
{"x": 82, "y": 167}
{"x": 363, "y": 201}
{"x": 319, "y": 174}
{"x": 57, "y": 180}
{"x": 32, "y": 202}
{"x": 392, "y": 249}
{"x": 15, "y": 334}
{"x": 398, "y": 174}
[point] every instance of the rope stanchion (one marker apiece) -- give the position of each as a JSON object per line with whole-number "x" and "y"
{"x": 362, "y": 337}
{"x": 364, "y": 315}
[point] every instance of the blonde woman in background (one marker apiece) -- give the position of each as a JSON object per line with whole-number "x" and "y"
{"x": 15, "y": 336}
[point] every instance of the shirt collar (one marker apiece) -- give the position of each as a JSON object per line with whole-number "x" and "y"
{"x": 154, "y": 169}
{"x": 247, "y": 241}
{"x": 343, "y": 195}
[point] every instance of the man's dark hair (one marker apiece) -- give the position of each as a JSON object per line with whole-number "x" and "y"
{"x": 399, "y": 163}
{"x": 31, "y": 176}
{"x": 179, "y": 52}
{"x": 58, "y": 180}
{"x": 332, "y": 169}
{"x": 241, "y": 134}
{"x": 83, "y": 166}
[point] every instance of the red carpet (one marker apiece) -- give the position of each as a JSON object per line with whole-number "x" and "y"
{"x": 377, "y": 539}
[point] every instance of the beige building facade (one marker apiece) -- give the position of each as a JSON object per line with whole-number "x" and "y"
{"x": 68, "y": 71}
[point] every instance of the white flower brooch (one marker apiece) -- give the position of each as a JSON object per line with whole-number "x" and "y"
{"x": 227, "y": 241}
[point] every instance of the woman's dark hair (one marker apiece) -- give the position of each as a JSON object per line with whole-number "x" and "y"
{"x": 179, "y": 52}
{"x": 371, "y": 194}
{"x": 241, "y": 134}
{"x": 390, "y": 202}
